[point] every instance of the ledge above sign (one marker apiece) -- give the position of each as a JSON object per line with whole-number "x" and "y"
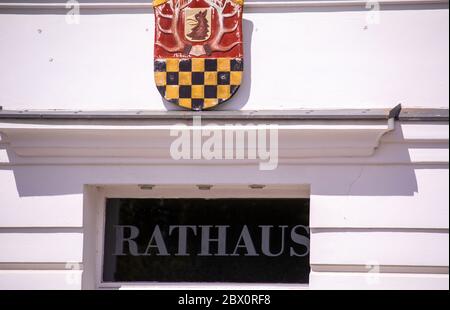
{"x": 145, "y": 138}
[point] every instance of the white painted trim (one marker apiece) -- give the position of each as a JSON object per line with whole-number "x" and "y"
{"x": 41, "y": 266}
{"x": 381, "y": 269}
{"x": 382, "y": 281}
{"x": 249, "y": 4}
{"x": 216, "y": 191}
{"x": 212, "y": 286}
{"x": 40, "y": 279}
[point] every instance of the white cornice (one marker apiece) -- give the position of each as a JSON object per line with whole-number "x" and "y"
{"x": 95, "y": 142}
{"x": 249, "y": 4}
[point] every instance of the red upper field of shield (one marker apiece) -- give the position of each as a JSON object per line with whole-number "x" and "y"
{"x": 198, "y": 51}
{"x": 198, "y": 28}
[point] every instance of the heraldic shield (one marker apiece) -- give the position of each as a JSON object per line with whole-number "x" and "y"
{"x": 198, "y": 51}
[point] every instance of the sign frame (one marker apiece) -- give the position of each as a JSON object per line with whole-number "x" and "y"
{"x": 97, "y": 205}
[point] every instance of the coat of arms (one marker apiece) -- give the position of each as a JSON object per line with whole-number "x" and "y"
{"x": 198, "y": 51}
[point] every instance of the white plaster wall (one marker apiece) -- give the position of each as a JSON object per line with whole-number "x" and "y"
{"x": 296, "y": 57}
{"x": 388, "y": 211}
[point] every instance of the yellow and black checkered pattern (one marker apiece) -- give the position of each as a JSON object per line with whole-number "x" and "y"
{"x": 198, "y": 83}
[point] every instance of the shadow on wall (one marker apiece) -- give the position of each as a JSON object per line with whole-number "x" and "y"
{"x": 325, "y": 179}
{"x": 240, "y": 99}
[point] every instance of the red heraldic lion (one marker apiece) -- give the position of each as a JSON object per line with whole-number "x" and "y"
{"x": 198, "y": 51}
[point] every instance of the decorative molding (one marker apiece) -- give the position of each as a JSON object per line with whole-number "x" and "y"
{"x": 268, "y": 115}
{"x": 399, "y": 113}
{"x": 41, "y": 266}
{"x": 101, "y": 141}
{"x": 305, "y": 136}
{"x": 249, "y": 4}
{"x": 381, "y": 269}
{"x": 407, "y": 115}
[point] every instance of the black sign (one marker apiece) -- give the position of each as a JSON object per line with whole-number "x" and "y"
{"x": 207, "y": 240}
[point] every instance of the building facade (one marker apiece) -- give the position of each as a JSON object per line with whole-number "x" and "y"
{"x": 355, "y": 94}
